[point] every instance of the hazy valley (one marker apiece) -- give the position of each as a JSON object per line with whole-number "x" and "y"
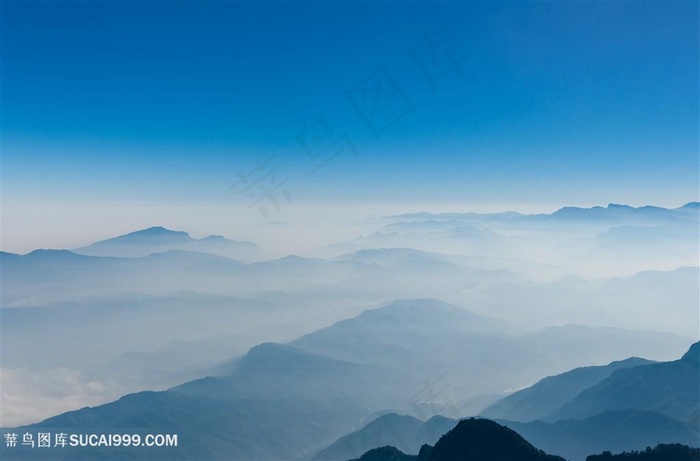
{"x": 435, "y": 317}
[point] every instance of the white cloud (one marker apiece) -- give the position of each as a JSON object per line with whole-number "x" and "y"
{"x": 29, "y": 396}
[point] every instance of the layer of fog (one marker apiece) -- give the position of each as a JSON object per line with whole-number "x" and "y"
{"x": 81, "y": 330}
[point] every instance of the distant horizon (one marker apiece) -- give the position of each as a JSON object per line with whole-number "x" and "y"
{"x": 276, "y": 107}
{"x": 249, "y": 227}
{"x": 90, "y": 231}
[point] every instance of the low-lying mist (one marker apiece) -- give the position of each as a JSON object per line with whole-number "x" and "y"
{"x": 156, "y": 308}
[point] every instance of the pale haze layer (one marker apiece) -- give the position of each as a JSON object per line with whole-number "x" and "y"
{"x": 141, "y": 109}
{"x": 246, "y": 188}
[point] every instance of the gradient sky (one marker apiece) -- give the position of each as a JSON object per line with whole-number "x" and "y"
{"x": 560, "y": 103}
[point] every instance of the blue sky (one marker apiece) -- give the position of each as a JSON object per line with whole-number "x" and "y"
{"x": 563, "y": 103}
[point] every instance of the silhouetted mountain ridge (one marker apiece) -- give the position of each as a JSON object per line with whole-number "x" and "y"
{"x": 470, "y": 440}
{"x": 662, "y": 452}
{"x": 158, "y": 239}
{"x": 297, "y": 398}
{"x": 611, "y": 211}
{"x": 611, "y": 430}
{"x": 671, "y": 388}
{"x": 693, "y": 354}
{"x": 386, "y": 453}
{"x": 549, "y": 394}
{"x": 403, "y": 432}
{"x": 485, "y": 440}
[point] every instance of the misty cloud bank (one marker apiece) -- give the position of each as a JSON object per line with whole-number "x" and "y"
{"x": 156, "y": 308}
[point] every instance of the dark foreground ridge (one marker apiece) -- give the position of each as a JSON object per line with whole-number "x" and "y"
{"x": 471, "y": 440}
{"x": 662, "y": 452}
{"x": 485, "y": 440}
{"x": 386, "y": 454}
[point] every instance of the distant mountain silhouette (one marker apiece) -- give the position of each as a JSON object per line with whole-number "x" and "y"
{"x": 548, "y": 394}
{"x": 670, "y": 388}
{"x": 159, "y": 239}
{"x": 406, "y": 433}
{"x": 44, "y": 276}
{"x": 572, "y": 439}
{"x": 617, "y": 212}
{"x": 612, "y": 430}
{"x": 406, "y": 258}
{"x": 633, "y": 407}
{"x": 611, "y": 212}
{"x": 288, "y": 401}
{"x": 396, "y": 335}
{"x": 628, "y": 429}
{"x": 662, "y": 452}
{"x": 270, "y": 371}
{"x": 409, "y": 265}
{"x": 207, "y": 428}
{"x": 155, "y": 235}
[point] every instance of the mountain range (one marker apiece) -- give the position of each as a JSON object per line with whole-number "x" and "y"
{"x": 403, "y": 432}
{"x": 669, "y": 388}
{"x": 662, "y": 452}
{"x": 633, "y": 407}
{"x": 430, "y": 317}
{"x": 470, "y": 440}
{"x": 611, "y": 425}
{"x": 549, "y": 394}
{"x": 159, "y": 239}
{"x": 612, "y": 212}
{"x": 613, "y": 240}
{"x": 288, "y": 401}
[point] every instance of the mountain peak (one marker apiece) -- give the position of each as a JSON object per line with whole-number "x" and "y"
{"x": 158, "y": 239}
{"x": 283, "y": 356}
{"x": 153, "y": 229}
{"x": 213, "y": 238}
{"x": 156, "y": 235}
{"x": 56, "y": 255}
{"x": 156, "y": 231}
{"x": 485, "y": 440}
{"x": 386, "y": 453}
{"x": 622, "y": 212}
{"x": 429, "y": 311}
{"x": 693, "y": 353}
